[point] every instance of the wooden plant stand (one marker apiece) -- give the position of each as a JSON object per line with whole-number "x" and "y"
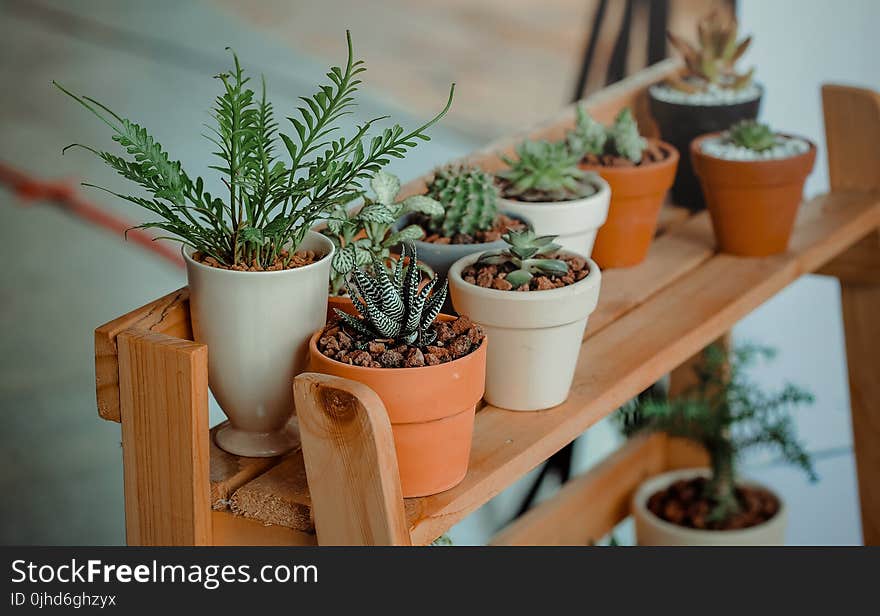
{"x": 341, "y": 486}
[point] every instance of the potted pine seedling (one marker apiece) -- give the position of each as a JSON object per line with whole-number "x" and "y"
{"x": 429, "y": 369}
{"x": 639, "y": 172}
{"x": 469, "y": 221}
{"x": 367, "y": 234}
{"x": 544, "y": 185}
{"x": 532, "y": 299}
{"x": 257, "y": 274}
{"x": 710, "y": 96}
{"x": 753, "y": 179}
{"x": 725, "y": 414}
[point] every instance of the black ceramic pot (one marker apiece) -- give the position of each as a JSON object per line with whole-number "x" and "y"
{"x": 680, "y": 124}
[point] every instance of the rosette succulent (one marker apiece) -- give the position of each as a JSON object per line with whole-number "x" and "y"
{"x": 546, "y": 171}
{"x": 530, "y": 253}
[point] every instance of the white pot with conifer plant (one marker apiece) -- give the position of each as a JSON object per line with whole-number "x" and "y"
{"x": 726, "y": 414}
{"x": 257, "y": 274}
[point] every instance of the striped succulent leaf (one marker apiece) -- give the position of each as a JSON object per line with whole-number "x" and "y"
{"x": 392, "y": 306}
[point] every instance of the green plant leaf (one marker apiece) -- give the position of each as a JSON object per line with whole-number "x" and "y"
{"x": 422, "y": 204}
{"x": 385, "y": 186}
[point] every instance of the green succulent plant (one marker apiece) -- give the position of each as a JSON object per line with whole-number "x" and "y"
{"x": 546, "y": 171}
{"x": 469, "y": 197}
{"x": 530, "y": 253}
{"x": 752, "y": 135}
{"x": 726, "y": 413}
{"x": 625, "y": 138}
{"x": 392, "y": 306}
{"x": 588, "y": 135}
{"x": 714, "y": 61}
{"x": 366, "y": 236}
{"x": 272, "y": 201}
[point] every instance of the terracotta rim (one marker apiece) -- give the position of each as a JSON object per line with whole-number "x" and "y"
{"x": 313, "y": 348}
{"x": 697, "y": 151}
{"x": 671, "y": 158}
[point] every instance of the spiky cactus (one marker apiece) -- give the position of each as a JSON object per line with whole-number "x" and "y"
{"x": 714, "y": 62}
{"x": 392, "y": 306}
{"x": 529, "y": 253}
{"x": 752, "y": 135}
{"x": 469, "y": 197}
{"x": 624, "y": 136}
{"x": 546, "y": 171}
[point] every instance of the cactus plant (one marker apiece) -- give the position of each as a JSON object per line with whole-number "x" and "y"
{"x": 546, "y": 171}
{"x": 624, "y": 136}
{"x": 530, "y": 253}
{"x": 365, "y": 237}
{"x": 391, "y": 306}
{"x": 469, "y": 197}
{"x": 752, "y": 135}
{"x": 714, "y": 62}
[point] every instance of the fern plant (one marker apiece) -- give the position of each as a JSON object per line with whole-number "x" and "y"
{"x": 391, "y": 306}
{"x": 469, "y": 197}
{"x": 727, "y": 414}
{"x": 546, "y": 171}
{"x": 530, "y": 253}
{"x": 366, "y": 236}
{"x": 271, "y": 203}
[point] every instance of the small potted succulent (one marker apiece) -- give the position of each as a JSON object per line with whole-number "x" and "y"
{"x": 709, "y": 97}
{"x": 545, "y": 186}
{"x": 639, "y": 172}
{"x": 257, "y": 274}
{"x": 469, "y": 221}
{"x": 367, "y": 235}
{"x": 532, "y": 299}
{"x": 429, "y": 369}
{"x": 753, "y": 179}
{"x": 725, "y": 414}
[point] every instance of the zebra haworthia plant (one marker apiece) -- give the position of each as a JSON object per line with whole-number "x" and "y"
{"x": 366, "y": 236}
{"x": 391, "y": 305}
{"x": 529, "y": 253}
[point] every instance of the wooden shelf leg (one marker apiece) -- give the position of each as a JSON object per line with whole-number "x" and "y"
{"x": 163, "y": 394}
{"x": 350, "y": 462}
{"x": 861, "y": 306}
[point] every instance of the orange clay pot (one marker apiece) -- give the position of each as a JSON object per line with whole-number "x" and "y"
{"x": 754, "y": 203}
{"x": 344, "y": 304}
{"x": 637, "y": 195}
{"x": 431, "y": 411}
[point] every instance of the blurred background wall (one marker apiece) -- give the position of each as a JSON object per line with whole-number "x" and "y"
{"x": 515, "y": 62}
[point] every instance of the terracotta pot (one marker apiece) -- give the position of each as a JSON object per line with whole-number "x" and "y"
{"x": 753, "y": 204}
{"x": 651, "y": 530}
{"x": 536, "y": 336}
{"x": 257, "y": 327}
{"x": 575, "y": 222}
{"x": 681, "y": 123}
{"x": 637, "y": 194}
{"x": 431, "y": 411}
{"x": 343, "y": 303}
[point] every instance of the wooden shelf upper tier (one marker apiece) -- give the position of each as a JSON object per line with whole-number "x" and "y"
{"x": 650, "y": 318}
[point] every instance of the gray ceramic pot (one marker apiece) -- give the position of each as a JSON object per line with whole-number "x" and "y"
{"x": 439, "y": 257}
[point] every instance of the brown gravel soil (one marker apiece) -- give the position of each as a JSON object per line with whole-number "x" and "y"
{"x": 300, "y": 258}
{"x": 455, "y": 339}
{"x": 683, "y": 504}
{"x": 532, "y": 196}
{"x": 494, "y": 276}
{"x": 653, "y": 153}
{"x": 499, "y": 227}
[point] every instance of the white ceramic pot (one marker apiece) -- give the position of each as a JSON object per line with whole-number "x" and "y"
{"x": 651, "y": 530}
{"x": 257, "y": 327}
{"x": 534, "y": 336}
{"x": 575, "y": 222}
